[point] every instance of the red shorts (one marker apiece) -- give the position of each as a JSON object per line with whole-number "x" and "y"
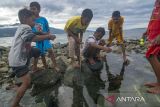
{"x": 153, "y": 31}
{"x": 153, "y": 50}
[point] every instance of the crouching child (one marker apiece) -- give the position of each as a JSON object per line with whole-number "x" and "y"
{"x": 93, "y": 45}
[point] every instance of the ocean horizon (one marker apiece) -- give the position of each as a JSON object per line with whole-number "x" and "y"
{"x": 62, "y": 38}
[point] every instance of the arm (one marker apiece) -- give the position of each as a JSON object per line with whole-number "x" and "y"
{"x": 40, "y": 38}
{"x": 121, "y": 26}
{"x": 81, "y": 36}
{"x": 44, "y": 37}
{"x": 121, "y": 31}
{"x": 144, "y": 36}
{"x": 110, "y": 23}
{"x": 100, "y": 47}
{"x": 110, "y": 32}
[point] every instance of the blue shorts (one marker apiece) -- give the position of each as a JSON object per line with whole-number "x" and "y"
{"x": 43, "y": 46}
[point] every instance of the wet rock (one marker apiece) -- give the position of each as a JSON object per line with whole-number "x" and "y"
{"x": 2, "y": 64}
{"x": 65, "y": 96}
{"x": 148, "y": 66}
{"x": 41, "y": 104}
{"x": 76, "y": 76}
{"x": 2, "y": 48}
{"x": 117, "y": 50}
{"x": 17, "y": 81}
{"x": 42, "y": 80}
{"x": 45, "y": 78}
{"x": 63, "y": 60}
{"x": 49, "y": 78}
{"x": 62, "y": 63}
{"x": 5, "y": 59}
{"x": 64, "y": 45}
{"x": 57, "y": 45}
{"x": 4, "y": 70}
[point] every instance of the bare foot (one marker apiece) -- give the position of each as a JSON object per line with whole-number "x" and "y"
{"x": 12, "y": 87}
{"x": 152, "y": 84}
{"x": 126, "y": 62}
{"x": 154, "y": 90}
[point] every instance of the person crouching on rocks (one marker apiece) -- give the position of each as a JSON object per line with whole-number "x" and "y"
{"x": 93, "y": 45}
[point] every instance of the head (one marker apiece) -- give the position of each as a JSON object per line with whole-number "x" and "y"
{"x": 35, "y": 8}
{"x": 99, "y": 33}
{"x": 86, "y": 16}
{"x": 116, "y": 16}
{"x": 26, "y": 17}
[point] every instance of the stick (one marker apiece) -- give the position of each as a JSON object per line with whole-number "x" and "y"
{"x": 80, "y": 63}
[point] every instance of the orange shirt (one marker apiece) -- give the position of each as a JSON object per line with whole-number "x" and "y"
{"x": 115, "y": 27}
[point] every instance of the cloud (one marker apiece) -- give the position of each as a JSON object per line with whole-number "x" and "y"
{"x": 136, "y": 12}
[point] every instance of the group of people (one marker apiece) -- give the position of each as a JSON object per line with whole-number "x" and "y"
{"x": 35, "y": 28}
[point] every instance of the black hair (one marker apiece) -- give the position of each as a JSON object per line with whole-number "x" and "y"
{"x": 36, "y": 4}
{"x": 87, "y": 13}
{"x": 23, "y": 14}
{"x": 101, "y": 30}
{"x": 116, "y": 14}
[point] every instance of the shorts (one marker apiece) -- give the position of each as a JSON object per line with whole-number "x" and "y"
{"x": 43, "y": 46}
{"x": 153, "y": 50}
{"x": 23, "y": 70}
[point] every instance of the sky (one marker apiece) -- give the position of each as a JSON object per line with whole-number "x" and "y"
{"x": 57, "y": 12}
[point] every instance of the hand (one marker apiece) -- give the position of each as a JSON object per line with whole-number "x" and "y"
{"x": 107, "y": 49}
{"x": 102, "y": 42}
{"x": 156, "y": 41}
{"x": 52, "y": 37}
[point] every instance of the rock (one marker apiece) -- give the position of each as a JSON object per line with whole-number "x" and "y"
{"x": 148, "y": 66}
{"x": 63, "y": 60}
{"x": 45, "y": 78}
{"x": 4, "y": 70}
{"x": 75, "y": 76}
{"x": 17, "y": 81}
{"x": 2, "y": 48}
{"x": 117, "y": 50}
{"x": 62, "y": 63}
{"x": 5, "y": 59}
{"x": 2, "y": 64}
{"x": 41, "y": 104}
{"x": 65, "y": 96}
{"x": 64, "y": 45}
{"x": 137, "y": 50}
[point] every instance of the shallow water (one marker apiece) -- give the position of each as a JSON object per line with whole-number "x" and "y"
{"x": 128, "y": 82}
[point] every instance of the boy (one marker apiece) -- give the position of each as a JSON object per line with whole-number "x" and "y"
{"x": 93, "y": 45}
{"x": 21, "y": 51}
{"x": 115, "y": 27}
{"x": 153, "y": 53}
{"x": 75, "y": 27}
{"x": 41, "y": 26}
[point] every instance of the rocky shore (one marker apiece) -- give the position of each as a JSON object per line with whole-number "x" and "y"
{"x": 49, "y": 79}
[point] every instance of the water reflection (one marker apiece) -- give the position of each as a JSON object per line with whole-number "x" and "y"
{"x": 89, "y": 95}
{"x": 115, "y": 80}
